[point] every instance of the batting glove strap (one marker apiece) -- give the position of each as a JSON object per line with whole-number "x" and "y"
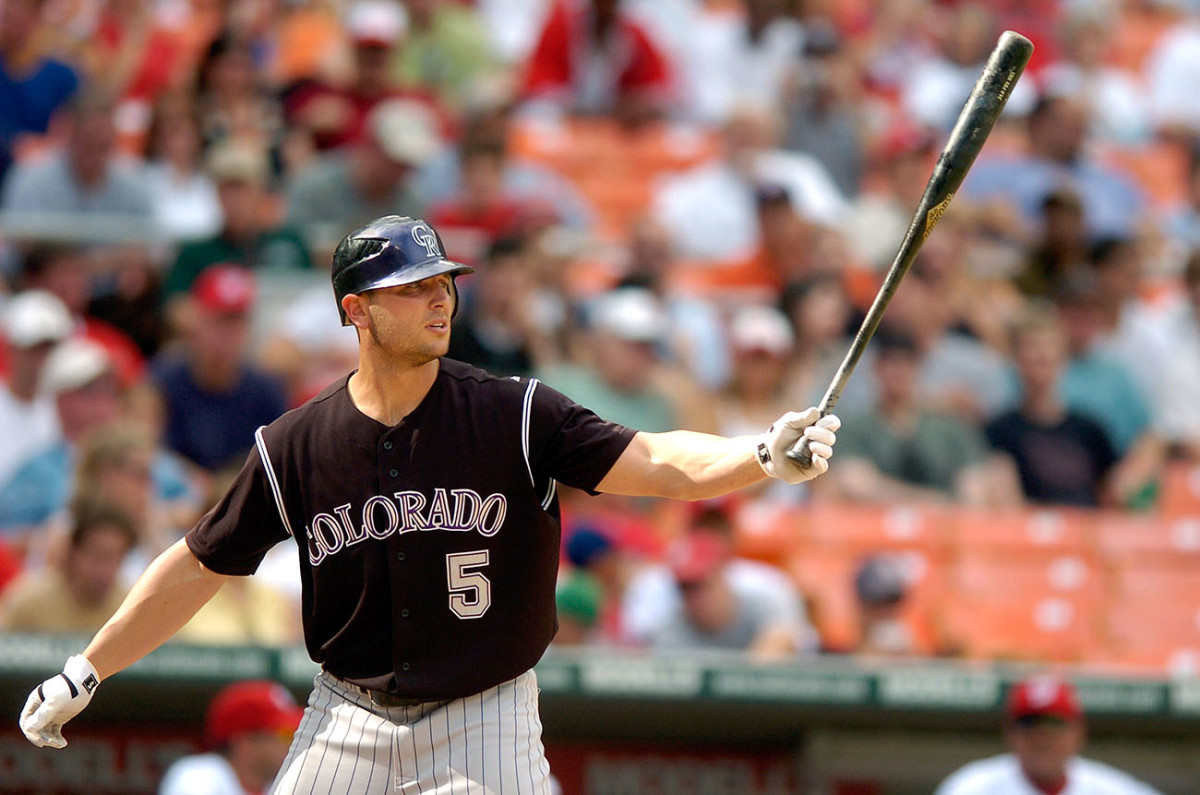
{"x": 57, "y": 700}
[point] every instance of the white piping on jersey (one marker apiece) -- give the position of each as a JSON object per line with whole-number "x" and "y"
{"x": 526, "y": 410}
{"x": 261, "y": 443}
{"x": 551, "y": 491}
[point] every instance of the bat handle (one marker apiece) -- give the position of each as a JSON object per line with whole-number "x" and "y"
{"x": 801, "y": 453}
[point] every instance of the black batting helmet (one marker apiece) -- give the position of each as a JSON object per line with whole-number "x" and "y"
{"x": 390, "y": 251}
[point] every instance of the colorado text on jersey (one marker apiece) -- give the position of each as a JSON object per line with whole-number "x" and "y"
{"x": 381, "y": 516}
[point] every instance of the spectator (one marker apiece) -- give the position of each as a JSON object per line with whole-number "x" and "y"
{"x": 34, "y": 321}
{"x": 1044, "y": 730}
{"x": 81, "y": 594}
{"x": 248, "y": 727}
{"x": 335, "y": 113}
{"x": 234, "y": 104}
{"x": 32, "y": 86}
{"x": 819, "y": 311}
{"x": 1172, "y": 348}
{"x": 594, "y": 58}
{"x": 578, "y": 598}
{"x": 881, "y": 593}
{"x": 627, "y": 329}
{"x": 1063, "y": 457}
{"x": 484, "y": 208}
{"x": 185, "y": 200}
{"x": 1181, "y": 221}
{"x": 1170, "y": 69}
{"x": 1095, "y": 382}
{"x": 651, "y": 597}
{"x": 711, "y": 209}
{"x": 372, "y": 176}
{"x": 714, "y": 613}
{"x": 84, "y": 180}
{"x": 732, "y": 55}
{"x": 81, "y": 378}
{"x": 934, "y": 91}
{"x": 1062, "y": 247}
{"x": 498, "y": 328}
{"x": 1058, "y": 158}
{"x": 903, "y": 451}
{"x": 70, "y": 271}
{"x": 446, "y": 50}
{"x": 214, "y": 399}
{"x": 116, "y": 467}
{"x": 248, "y": 235}
{"x": 1115, "y": 97}
{"x": 827, "y": 115}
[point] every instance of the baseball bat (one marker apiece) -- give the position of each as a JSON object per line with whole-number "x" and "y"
{"x": 974, "y": 124}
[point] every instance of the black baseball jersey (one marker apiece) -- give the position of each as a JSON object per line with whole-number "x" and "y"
{"x": 428, "y": 550}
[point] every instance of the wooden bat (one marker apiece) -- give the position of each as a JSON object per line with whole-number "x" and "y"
{"x": 974, "y": 124}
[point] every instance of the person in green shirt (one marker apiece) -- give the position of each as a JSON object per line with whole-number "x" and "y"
{"x": 248, "y": 236}
{"x": 899, "y": 451}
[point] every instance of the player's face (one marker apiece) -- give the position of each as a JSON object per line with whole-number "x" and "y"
{"x": 1043, "y": 746}
{"x": 411, "y": 322}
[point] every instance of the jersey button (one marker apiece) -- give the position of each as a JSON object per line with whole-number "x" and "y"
{"x": 404, "y": 612}
{"x": 393, "y": 472}
{"x": 404, "y": 666}
{"x": 387, "y": 445}
{"x": 400, "y": 556}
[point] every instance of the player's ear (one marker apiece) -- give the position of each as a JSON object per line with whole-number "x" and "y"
{"x": 355, "y": 307}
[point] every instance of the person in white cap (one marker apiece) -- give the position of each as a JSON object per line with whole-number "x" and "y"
{"x": 80, "y": 378}
{"x": 33, "y": 322}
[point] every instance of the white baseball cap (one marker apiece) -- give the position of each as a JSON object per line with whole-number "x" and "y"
{"x": 74, "y": 364}
{"x": 36, "y": 316}
{"x": 629, "y": 313}
{"x": 378, "y": 22}
{"x": 761, "y": 328}
{"x": 406, "y": 130}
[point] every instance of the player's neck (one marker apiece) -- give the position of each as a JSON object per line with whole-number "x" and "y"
{"x": 388, "y": 395}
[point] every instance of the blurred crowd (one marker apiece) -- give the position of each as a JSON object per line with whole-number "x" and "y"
{"x": 679, "y": 211}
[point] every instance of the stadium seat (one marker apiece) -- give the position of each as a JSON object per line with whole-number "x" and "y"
{"x": 866, "y": 528}
{"x": 1035, "y": 531}
{"x": 1154, "y": 615}
{"x": 1181, "y": 491}
{"x": 1125, "y": 539}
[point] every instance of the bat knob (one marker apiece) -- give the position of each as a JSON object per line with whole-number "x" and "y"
{"x": 801, "y": 454}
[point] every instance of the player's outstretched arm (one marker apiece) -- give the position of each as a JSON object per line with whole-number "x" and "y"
{"x": 167, "y": 594}
{"x": 685, "y": 465}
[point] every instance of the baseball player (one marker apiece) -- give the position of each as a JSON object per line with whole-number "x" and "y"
{"x": 421, "y": 495}
{"x": 1044, "y": 728}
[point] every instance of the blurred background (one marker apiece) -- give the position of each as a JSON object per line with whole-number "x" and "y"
{"x": 679, "y": 211}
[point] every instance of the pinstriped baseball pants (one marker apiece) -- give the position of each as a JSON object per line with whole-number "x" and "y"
{"x": 485, "y": 744}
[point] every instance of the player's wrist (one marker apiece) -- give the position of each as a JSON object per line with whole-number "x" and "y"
{"x": 79, "y": 669}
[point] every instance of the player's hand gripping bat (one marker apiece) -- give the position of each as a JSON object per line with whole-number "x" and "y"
{"x": 974, "y": 124}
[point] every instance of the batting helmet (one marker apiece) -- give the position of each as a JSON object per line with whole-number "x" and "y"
{"x": 390, "y": 251}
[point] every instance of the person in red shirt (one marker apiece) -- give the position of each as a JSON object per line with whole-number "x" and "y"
{"x": 591, "y": 58}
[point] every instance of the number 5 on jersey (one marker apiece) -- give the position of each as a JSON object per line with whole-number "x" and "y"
{"x": 470, "y": 591}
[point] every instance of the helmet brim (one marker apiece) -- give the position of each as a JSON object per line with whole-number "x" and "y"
{"x": 415, "y": 273}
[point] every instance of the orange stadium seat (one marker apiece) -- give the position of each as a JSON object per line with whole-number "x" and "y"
{"x": 1124, "y": 539}
{"x": 1044, "y": 628}
{"x": 1154, "y": 616}
{"x": 1181, "y": 490}
{"x": 1036, "y": 531}
{"x": 1022, "y": 605}
{"x": 864, "y": 528}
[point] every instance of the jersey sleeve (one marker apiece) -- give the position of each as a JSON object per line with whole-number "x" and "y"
{"x": 235, "y": 535}
{"x": 569, "y": 442}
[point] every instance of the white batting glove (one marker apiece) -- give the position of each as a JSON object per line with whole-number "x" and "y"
{"x": 771, "y": 447}
{"x": 57, "y": 700}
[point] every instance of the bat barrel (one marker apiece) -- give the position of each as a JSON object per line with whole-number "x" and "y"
{"x": 970, "y": 132}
